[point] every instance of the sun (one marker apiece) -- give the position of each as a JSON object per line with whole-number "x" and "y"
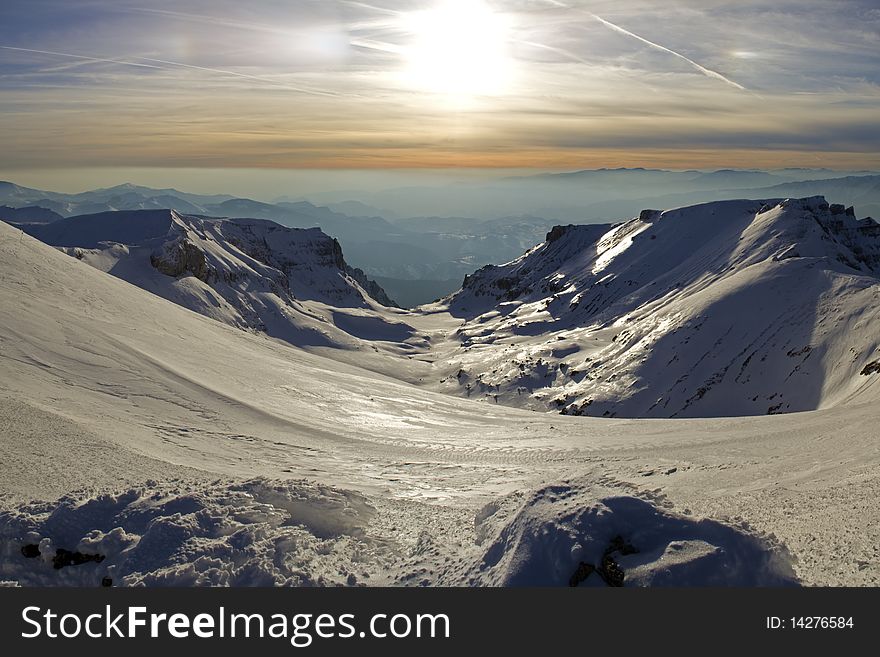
{"x": 459, "y": 48}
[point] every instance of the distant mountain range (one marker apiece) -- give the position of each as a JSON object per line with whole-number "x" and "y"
{"x": 28, "y": 214}
{"x": 419, "y": 260}
{"x": 737, "y": 307}
{"x": 422, "y": 242}
{"x": 597, "y": 195}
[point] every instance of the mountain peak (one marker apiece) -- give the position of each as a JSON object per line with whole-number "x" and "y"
{"x": 599, "y": 315}
{"x": 250, "y": 273}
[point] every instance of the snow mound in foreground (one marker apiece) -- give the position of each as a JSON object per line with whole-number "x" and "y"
{"x": 255, "y": 533}
{"x": 565, "y": 534}
{"x": 296, "y": 533}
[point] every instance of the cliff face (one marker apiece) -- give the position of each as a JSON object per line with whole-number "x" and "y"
{"x": 249, "y": 273}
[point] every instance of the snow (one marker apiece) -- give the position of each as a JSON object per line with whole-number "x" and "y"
{"x": 297, "y": 533}
{"x": 248, "y": 273}
{"x": 225, "y": 534}
{"x": 556, "y": 525}
{"x": 722, "y": 309}
{"x": 185, "y": 450}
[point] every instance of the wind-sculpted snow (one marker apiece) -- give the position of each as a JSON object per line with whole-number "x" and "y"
{"x": 570, "y": 534}
{"x": 254, "y": 533}
{"x": 728, "y": 308}
{"x": 296, "y": 533}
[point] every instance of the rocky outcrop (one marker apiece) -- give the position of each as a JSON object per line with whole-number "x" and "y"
{"x": 860, "y": 239}
{"x": 182, "y": 257}
{"x": 293, "y": 263}
{"x": 370, "y": 286}
{"x": 871, "y": 368}
{"x": 557, "y": 232}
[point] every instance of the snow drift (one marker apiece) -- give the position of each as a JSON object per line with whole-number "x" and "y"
{"x": 570, "y": 534}
{"x": 252, "y": 533}
{"x": 297, "y": 533}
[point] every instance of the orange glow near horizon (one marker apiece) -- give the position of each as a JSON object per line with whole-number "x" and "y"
{"x": 438, "y": 84}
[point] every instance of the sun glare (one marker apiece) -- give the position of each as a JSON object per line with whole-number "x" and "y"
{"x": 459, "y": 48}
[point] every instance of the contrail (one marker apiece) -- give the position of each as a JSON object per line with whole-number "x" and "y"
{"x": 82, "y": 57}
{"x": 208, "y": 20}
{"x": 558, "y": 51}
{"x": 168, "y": 63}
{"x": 364, "y": 5}
{"x": 708, "y": 72}
{"x": 258, "y": 78}
{"x": 371, "y": 44}
{"x": 258, "y": 27}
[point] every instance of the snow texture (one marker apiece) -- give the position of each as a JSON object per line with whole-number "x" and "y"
{"x": 150, "y": 444}
{"x": 249, "y": 273}
{"x": 724, "y": 309}
{"x": 296, "y": 533}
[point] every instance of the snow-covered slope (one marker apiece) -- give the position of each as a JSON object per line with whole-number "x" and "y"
{"x": 181, "y": 450}
{"x": 727, "y": 308}
{"x": 293, "y": 284}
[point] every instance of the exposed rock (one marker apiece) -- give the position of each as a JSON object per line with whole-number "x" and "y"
{"x": 584, "y": 570}
{"x": 370, "y": 286}
{"x": 609, "y": 570}
{"x": 181, "y": 257}
{"x": 871, "y": 368}
{"x": 30, "y": 551}
{"x": 557, "y": 232}
{"x": 285, "y": 261}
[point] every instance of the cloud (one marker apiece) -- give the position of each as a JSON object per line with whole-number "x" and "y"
{"x": 85, "y": 58}
{"x": 304, "y": 83}
{"x": 702, "y": 69}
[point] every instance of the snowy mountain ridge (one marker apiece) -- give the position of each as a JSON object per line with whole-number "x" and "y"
{"x": 725, "y": 308}
{"x": 249, "y": 273}
{"x": 186, "y": 452}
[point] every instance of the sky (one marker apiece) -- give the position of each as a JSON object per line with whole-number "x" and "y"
{"x": 98, "y": 85}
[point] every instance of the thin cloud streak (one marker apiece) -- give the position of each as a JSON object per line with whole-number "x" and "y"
{"x": 96, "y": 60}
{"x": 207, "y": 20}
{"x": 702, "y": 69}
{"x": 364, "y": 5}
{"x": 554, "y": 49}
{"x": 620, "y": 30}
{"x": 283, "y": 85}
{"x": 168, "y": 63}
{"x": 303, "y": 84}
